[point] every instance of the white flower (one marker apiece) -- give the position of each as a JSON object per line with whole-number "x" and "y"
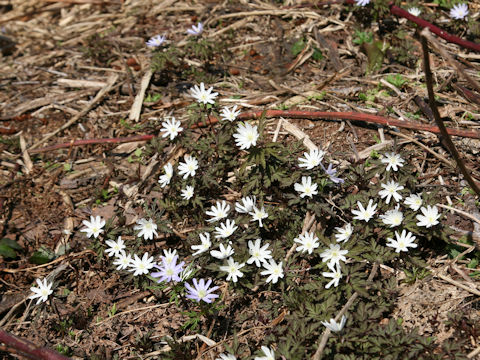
{"x": 393, "y": 161}
{"x": 123, "y": 260}
{"x": 219, "y": 211}
{"x": 308, "y": 242}
{"x": 269, "y": 354}
{"x": 403, "y": 241}
{"x": 223, "y": 253}
{"x": 93, "y": 227}
{"x": 306, "y": 188}
{"x": 390, "y": 190}
{"x": 414, "y": 11}
{"x": 196, "y": 30}
{"x": 202, "y": 95}
{"x": 336, "y": 274}
{"x": 187, "y": 193}
{"x": 392, "y": 217}
{"x": 187, "y": 272}
{"x": 141, "y": 266}
{"x": 429, "y": 218}
{"x": 169, "y": 256}
{"x": 258, "y": 215}
{"x": 156, "y": 41}
{"x": 232, "y": 269}
{"x": 147, "y": 228}
{"x": 171, "y": 128}
{"x": 228, "y": 114}
{"x": 334, "y": 254}
{"x": 365, "y": 214}
{"x": 334, "y": 326}
{"x": 247, "y": 204}
{"x": 189, "y": 167}
{"x": 246, "y": 136}
{"x": 459, "y": 11}
{"x": 165, "y": 179}
{"x": 204, "y": 246}
{"x": 258, "y": 254}
{"x": 414, "y": 201}
{"x": 362, "y": 2}
{"x": 225, "y": 229}
{"x": 273, "y": 270}
{"x": 115, "y": 247}
{"x": 226, "y": 357}
{"x": 42, "y": 292}
{"x": 344, "y": 233}
{"x": 311, "y": 159}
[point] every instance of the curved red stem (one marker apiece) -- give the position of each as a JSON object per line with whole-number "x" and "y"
{"x": 395, "y": 10}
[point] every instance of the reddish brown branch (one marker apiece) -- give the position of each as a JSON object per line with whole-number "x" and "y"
{"x": 28, "y": 349}
{"x": 318, "y": 115}
{"x": 293, "y": 114}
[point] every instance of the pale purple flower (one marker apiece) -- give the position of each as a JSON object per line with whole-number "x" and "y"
{"x": 330, "y": 171}
{"x": 169, "y": 271}
{"x": 156, "y": 41}
{"x": 196, "y": 30}
{"x": 459, "y": 11}
{"x": 201, "y": 291}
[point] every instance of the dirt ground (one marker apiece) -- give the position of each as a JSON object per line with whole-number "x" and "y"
{"x": 71, "y": 70}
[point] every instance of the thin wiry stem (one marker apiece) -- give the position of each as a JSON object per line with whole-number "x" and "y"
{"x": 441, "y": 126}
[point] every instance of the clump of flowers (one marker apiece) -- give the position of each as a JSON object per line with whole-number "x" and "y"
{"x": 240, "y": 216}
